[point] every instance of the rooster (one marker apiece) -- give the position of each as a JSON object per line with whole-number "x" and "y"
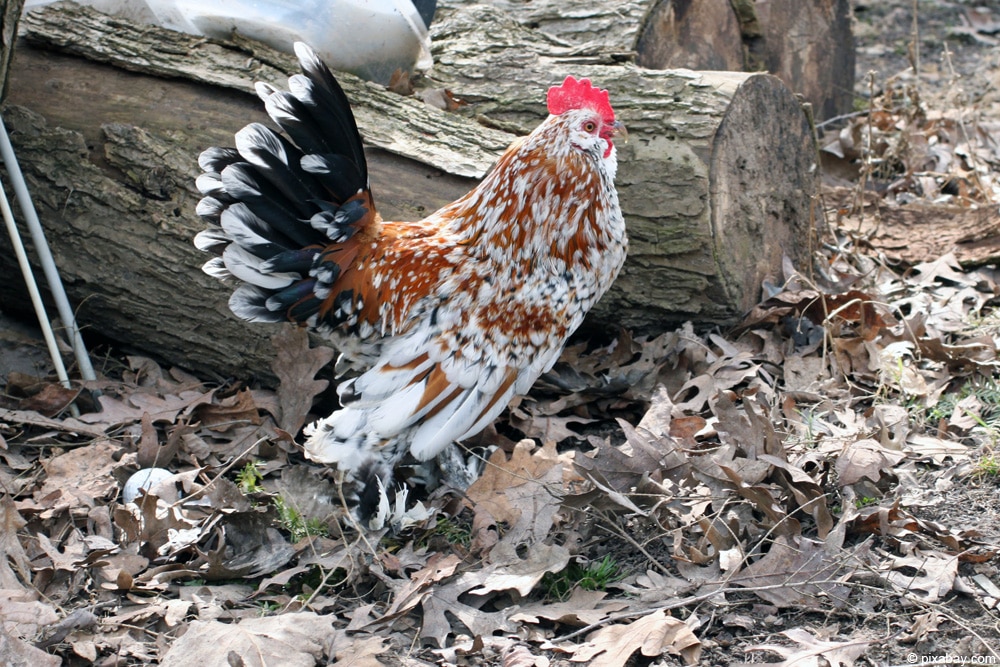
{"x": 446, "y": 319}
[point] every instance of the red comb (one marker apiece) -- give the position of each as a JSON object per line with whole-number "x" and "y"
{"x": 574, "y": 94}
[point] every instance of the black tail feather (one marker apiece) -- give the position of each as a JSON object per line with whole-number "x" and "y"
{"x": 215, "y": 159}
{"x": 338, "y": 174}
{"x": 242, "y": 181}
{"x": 283, "y": 203}
{"x": 332, "y": 108}
{"x": 278, "y": 161}
{"x": 288, "y": 297}
{"x": 296, "y": 120}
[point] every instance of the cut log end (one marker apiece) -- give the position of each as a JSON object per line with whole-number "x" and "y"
{"x": 763, "y": 181}
{"x": 710, "y": 217}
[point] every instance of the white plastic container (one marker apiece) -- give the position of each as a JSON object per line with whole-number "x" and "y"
{"x": 370, "y": 38}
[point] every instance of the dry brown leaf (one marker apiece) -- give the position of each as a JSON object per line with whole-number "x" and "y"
{"x": 68, "y": 558}
{"x": 438, "y": 567}
{"x": 937, "y": 450}
{"x": 901, "y": 525}
{"x": 441, "y": 98}
{"x": 51, "y": 400}
{"x": 654, "y": 587}
{"x": 69, "y": 425}
{"x": 224, "y": 414}
{"x": 943, "y": 269}
{"x": 799, "y": 572}
{"x": 81, "y": 476}
{"x": 750, "y": 427}
{"x": 22, "y": 614}
{"x": 450, "y": 600}
{"x": 151, "y": 522}
{"x": 23, "y": 384}
{"x": 922, "y": 627}
{"x": 582, "y": 608}
{"x": 401, "y": 82}
{"x": 80, "y": 623}
{"x": 626, "y": 368}
{"x": 508, "y": 570}
{"x": 144, "y": 372}
{"x": 865, "y": 459}
{"x": 485, "y": 533}
{"x": 149, "y": 445}
{"x": 289, "y": 640}
{"x": 15, "y": 651}
{"x": 523, "y": 491}
{"x": 546, "y": 428}
{"x": 764, "y": 499}
{"x": 652, "y": 635}
{"x": 649, "y": 449}
{"x": 814, "y": 652}
{"x": 804, "y": 373}
{"x": 933, "y": 579}
{"x": 354, "y": 651}
{"x": 853, "y": 307}
{"x": 86, "y": 649}
{"x": 296, "y": 365}
{"x": 807, "y": 492}
{"x": 130, "y": 409}
{"x": 12, "y": 578}
{"x": 520, "y": 655}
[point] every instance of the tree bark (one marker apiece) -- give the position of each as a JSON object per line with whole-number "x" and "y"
{"x": 10, "y": 13}
{"x": 694, "y": 34}
{"x": 806, "y": 43}
{"x": 809, "y": 45}
{"x": 611, "y": 27}
{"x": 716, "y": 181}
{"x": 920, "y": 232}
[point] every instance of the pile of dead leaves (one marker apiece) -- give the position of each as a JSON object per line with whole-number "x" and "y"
{"x": 910, "y": 150}
{"x": 658, "y": 497}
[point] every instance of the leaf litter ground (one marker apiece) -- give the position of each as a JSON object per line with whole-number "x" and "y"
{"x": 820, "y": 485}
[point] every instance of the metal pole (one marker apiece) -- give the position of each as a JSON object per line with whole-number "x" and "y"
{"x": 36, "y": 297}
{"x": 44, "y": 254}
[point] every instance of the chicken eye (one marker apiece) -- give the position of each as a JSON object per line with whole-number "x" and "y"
{"x": 589, "y": 126}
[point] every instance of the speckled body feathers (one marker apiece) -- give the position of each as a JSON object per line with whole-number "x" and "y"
{"x": 446, "y": 318}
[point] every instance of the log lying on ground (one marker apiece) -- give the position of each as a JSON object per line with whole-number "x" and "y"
{"x": 809, "y": 45}
{"x": 805, "y": 43}
{"x": 716, "y": 181}
{"x": 921, "y": 231}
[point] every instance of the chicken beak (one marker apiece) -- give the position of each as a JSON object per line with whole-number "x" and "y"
{"x": 618, "y": 129}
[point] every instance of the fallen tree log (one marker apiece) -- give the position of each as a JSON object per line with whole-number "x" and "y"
{"x": 716, "y": 181}
{"x": 805, "y": 43}
{"x": 920, "y": 231}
